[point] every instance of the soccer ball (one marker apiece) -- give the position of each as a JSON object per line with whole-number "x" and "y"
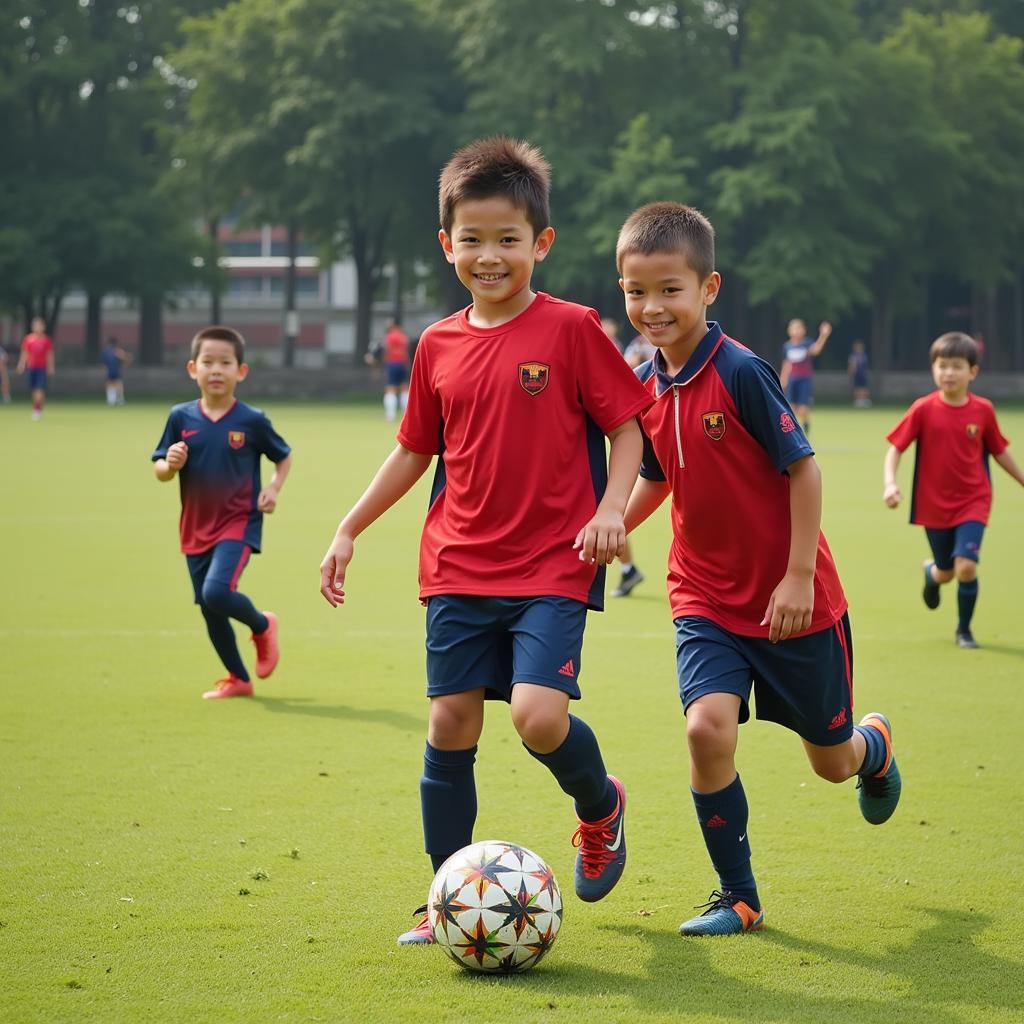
{"x": 495, "y": 907}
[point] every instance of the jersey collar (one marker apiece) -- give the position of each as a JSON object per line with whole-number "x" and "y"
{"x": 701, "y": 356}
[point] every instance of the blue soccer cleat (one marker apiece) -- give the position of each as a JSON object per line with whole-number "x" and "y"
{"x": 931, "y": 592}
{"x": 965, "y": 639}
{"x": 726, "y": 915}
{"x": 602, "y": 846}
{"x": 880, "y": 793}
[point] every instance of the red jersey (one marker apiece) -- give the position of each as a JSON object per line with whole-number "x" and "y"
{"x": 951, "y": 475}
{"x": 518, "y": 415}
{"x": 396, "y": 347}
{"x": 722, "y": 434}
{"x": 36, "y": 348}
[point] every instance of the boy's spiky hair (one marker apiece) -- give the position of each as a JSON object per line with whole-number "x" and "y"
{"x": 954, "y": 345}
{"x": 497, "y": 166}
{"x": 216, "y": 332}
{"x": 668, "y": 227}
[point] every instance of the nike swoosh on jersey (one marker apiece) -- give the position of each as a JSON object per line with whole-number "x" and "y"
{"x": 189, "y": 433}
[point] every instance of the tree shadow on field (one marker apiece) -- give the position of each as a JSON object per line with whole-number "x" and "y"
{"x": 1013, "y": 652}
{"x": 937, "y": 972}
{"x": 374, "y": 716}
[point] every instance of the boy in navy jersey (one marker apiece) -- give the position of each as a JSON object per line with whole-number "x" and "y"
{"x": 754, "y": 592}
{"x": 955, "y": 433}
{"x": 213, "y": 445}
{"x": 515, "y": 395}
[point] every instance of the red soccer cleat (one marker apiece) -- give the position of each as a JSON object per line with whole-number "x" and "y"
{"x": 267, "y": 651}
{"x": 421, "y": 935}
{"x": 230, "y": 686}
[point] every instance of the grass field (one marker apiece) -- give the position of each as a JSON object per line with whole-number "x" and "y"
{"x": 163, "y": 858}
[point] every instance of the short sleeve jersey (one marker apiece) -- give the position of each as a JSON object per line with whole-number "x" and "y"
{"x": 722, "y": 435}
{"x": 111, "y": 359}
{"x": 951, "y": 473}
{"x": 396, "y": 347}
{"x": 220, "y": 482}
{"x": 36, "y": 348}
{"x": 798, "y": 355}
{"x": 517, "y": 414}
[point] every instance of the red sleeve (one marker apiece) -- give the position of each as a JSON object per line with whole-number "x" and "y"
{"x": 610, "y": 390}
{"x": 420, "y": 431}
{"x": 993, "y": 437}
{"x": 907, "y": 430}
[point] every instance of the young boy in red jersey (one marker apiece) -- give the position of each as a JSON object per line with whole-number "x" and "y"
{"x": 515, "y": 394}
{"x": 755, "y": 596}
{"x": 213, "y": 445}
{"x": 955, "y": 433}
{"x": 37, "y": 360}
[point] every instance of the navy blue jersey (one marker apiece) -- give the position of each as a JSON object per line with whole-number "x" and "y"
{"x": 112, "y": 360}
{"x": 220, "y": 482}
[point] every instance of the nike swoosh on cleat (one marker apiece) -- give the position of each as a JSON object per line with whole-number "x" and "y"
{"x": 742, "y": 837}
{"x": 612, "y": 847}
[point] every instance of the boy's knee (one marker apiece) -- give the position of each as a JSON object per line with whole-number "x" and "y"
{"x": 709, "y": 737}
{"x": 966, "y": 570}
{"x": 540, "y": 729}
{"x": 452, "y": 726}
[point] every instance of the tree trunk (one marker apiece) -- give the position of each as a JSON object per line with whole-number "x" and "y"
{"x": 212, "y": 231}
{"x": 365, "y": 287}
{"x": 291, "y": 317}
{"x": 881, "y": 332}
{"x": 396, "y": 294}
{"x": 93, "y": 327}
{"x": 1018, "y": 322}
{"x": 151, "y": 339}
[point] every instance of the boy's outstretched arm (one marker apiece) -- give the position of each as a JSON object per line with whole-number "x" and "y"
{"x": 787, "y": 368}
{"x": 1005, "y": 459}
{"x": 891, "y": 493}
{"x": 400, "y": 470}
{"x": 646, "y": 498}
{"x": 604, "y": 537}
{"x": 792, "y": 602}
{"x": 824, "y": 333}
{"x": 267, "y": 500}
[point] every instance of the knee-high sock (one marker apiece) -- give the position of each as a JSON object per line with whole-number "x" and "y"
{"x": 222, "y": 636}
{"x": 723, "y": 823}
{"x": 874, "y": 750}
{"x": 966, "y": 599}
{"x": 578, "y": 768}
{"x": 233, "y": 605}
{"x": 448, "y": 801}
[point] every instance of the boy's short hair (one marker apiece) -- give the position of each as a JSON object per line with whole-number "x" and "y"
{"x": 497, "y": 166}
{"x": 954, "y": 345}
{"x": 216, "y": 332}
{"x": 672, "y": 228}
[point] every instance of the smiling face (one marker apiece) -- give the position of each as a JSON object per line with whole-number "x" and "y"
{"x": 953, "y": 376}
{"x": 217, "y": 371}
{"x": 666, "y": 301}
{"x": 493, "y": 249}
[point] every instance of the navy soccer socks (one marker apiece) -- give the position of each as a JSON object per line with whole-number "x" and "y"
{"x": 874, "y": 750}
{"x": 222, "y": 636}
{"x": 966, "y": 599}
{"x": 230, "y": 603}
{"x": 448, "y": 801}
{"x": 723, "y": 823}
{"x": 578, "y": 768}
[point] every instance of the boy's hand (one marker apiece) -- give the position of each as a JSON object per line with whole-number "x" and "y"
{"x": 892, "y": 495}
{"x": 177, "y": 455}
{"x": 267, "y": 500}
{"x": 332, "y": 570}
{"x": 790, "y": 607}
{"x": 602, "y": 539}
{"x": 824, "y": 329}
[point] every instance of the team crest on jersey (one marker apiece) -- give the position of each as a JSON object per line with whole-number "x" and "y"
{"x": 714, "y": 425}
{"x": 972, "y": 429}
{"x": 236, "y": 438}
{"x": 533, "y": 377}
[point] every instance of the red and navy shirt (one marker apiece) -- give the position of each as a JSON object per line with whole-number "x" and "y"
{"x": 951, "y": 473}
{"x": 36, "y": 349}
{"x": 518, "y": 415}
{"x": 722, "y": 435}
{"x": 220, "y": 482}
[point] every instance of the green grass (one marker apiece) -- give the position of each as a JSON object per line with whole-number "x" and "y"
{"x": 134, "y": 817}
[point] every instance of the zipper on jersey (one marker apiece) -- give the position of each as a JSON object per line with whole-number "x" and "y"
{"x": 679, "y": 438}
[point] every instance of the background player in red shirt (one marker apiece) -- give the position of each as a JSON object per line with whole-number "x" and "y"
{"x": 955, "y": 433}
{"x": 515, "y": 394}
{"x": 214, "y": 446}
{"x": 37, "y": 360}
{"x": 755, "y": 596}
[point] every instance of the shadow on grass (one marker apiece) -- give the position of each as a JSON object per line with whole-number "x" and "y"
{"x": 931, "y": 979}
{"x": 375, "y": 716}
{"x": 1014, "y": 652}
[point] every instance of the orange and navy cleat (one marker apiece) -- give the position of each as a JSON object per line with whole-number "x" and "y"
{"x": 267, "y": 652}
{"x": 230, "y": 686}
{"x": 602, "y": 846}
{"x": 421, "y": 934}
{"x": 880, "y": 793}
{"x": 726, "y": 914}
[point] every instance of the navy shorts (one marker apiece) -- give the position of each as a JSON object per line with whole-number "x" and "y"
{"x": 396, "y": 374}
{"x": 37, "y": 379}
{"x": 799, "y": 389}
{"x": 805, "y": 684}
{"x": 496, "y": 642}
{"x": 960, "y": 541}
{"x": 223, "y": 563}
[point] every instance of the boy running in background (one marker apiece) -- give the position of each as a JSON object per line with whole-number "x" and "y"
{"x": 955, "y": 433}
{"x": 755, "y": 595}
{"x": 213, "y": 445}
{"x": 37, "y": 360}
{"x": 515, "y": 395}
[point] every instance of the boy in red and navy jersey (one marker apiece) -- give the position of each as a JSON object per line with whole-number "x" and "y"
{"x": 213, "y": 446}
{"x": 37, "y": 361}
{"x": 955, "y": 433}
{"x": 755, "y": 595}
{"x": 515, "y": 395}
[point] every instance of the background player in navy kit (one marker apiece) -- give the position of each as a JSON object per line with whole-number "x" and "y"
{"x": 755, "y": 596}
{"x": 799, "y": 353}
{"x": 115, "y": 359}
{"x": 213, "y": 445}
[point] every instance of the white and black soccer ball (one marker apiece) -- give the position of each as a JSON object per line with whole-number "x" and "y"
{"x": 495, "y": 907}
